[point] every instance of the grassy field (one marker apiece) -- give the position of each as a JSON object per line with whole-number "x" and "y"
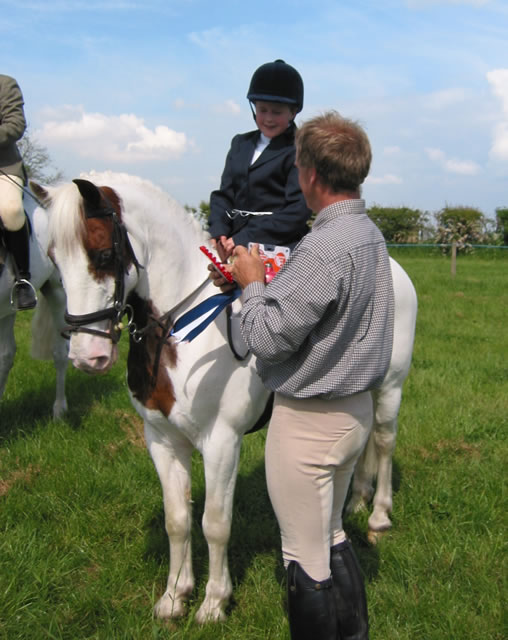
{"x": 83, "y": 551}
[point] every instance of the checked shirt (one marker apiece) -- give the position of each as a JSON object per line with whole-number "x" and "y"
{"x": 324, "y": 324}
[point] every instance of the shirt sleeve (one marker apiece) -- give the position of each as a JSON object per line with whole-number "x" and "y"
{"x": 277, "y": 319}
{"x": 12, "y": 116}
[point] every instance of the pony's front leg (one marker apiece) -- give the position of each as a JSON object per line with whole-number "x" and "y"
{"x": 7, "y": 349}
{"x": 47, "y": 341}
{"x": 171, "y": 454}
{"x": 220, "y": 456}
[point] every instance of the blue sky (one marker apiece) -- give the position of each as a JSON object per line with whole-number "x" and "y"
{"x": 157, "y": 88}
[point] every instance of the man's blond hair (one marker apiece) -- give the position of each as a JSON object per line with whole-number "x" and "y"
{"x": 337, "y": 148}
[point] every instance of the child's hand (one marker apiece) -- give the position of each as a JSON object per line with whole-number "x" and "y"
{"x": 220, "y": 281}
{"x": 224, "y": 247}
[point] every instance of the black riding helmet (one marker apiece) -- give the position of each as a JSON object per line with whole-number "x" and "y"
{"x": 277, "y": 82}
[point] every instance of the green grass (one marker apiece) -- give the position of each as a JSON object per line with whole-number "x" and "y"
{"x": 84, "y": 554}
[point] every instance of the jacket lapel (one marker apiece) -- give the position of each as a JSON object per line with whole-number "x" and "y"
{"x": 276, "y": 147}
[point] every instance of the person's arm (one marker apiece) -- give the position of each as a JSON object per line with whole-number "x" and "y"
{"x": 277, "y": 319}
{"x": 12, "y": 115}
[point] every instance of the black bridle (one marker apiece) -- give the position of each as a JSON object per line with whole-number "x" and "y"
{"x": 121, "y": 252}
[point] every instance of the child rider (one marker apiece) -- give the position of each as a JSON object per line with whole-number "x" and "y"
{"x": 259, "y": 199}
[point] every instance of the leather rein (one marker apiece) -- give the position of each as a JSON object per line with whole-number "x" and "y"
{"x": 121, "y": 247}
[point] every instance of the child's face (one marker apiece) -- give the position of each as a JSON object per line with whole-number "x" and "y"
{"x": 273, "y": 118}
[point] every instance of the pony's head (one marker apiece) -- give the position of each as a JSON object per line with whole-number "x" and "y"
{"x": 91, "y": 248}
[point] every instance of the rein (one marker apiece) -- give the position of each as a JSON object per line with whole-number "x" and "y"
{"x": 24, "y": 189}
{"x": 115, "y": 313}
{"x": 122, "y": 247}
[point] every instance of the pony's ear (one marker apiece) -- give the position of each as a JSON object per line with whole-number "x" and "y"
{"x": 90, "y": 193}
{"x": 40, "y": 192}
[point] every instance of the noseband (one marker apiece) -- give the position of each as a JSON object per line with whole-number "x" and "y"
{"x": 121, "y": 248}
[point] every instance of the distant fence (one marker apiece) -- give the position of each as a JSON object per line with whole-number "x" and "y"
{"x": 445, "y": 246}
{"x": 452, "y": 246}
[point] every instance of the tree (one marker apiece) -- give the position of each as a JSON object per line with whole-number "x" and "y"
{"x": 37, "y": 161}
{"x": 464, "y": 226}
{"x": 502, "y": 223}
{"x": 202, "y": 214}
{"x": 399, "y": 224}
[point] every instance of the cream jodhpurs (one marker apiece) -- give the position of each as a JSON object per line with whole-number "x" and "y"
{"x": 311, "y": 450}
{"x": 11, "y": 202}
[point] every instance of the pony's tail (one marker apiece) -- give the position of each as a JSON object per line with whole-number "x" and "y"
{"x": 43, "y": 331}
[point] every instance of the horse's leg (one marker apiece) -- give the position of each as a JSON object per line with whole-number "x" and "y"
{"x": 385, "y": 434}
{"x": 362, "y": 486}
{"x": 220, "y": 456}
{"x": 7, "y": 348}
{"x": 376, "y": 460}
{"x": 171, "y": 454}
{"x": 47, "y": 324}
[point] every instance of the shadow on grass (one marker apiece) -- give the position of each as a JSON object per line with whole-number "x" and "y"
{"x": 21, "y": 414}
{"x": 254, "y": 532}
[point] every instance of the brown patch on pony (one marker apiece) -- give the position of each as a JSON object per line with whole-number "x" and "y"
{"x": 98, "y": 240}
{"x": 149, "y": 359}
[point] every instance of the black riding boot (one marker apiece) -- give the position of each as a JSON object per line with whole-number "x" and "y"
{"x": 311, "y": 606}
{"x": 349, "y": 591}
{"x": 23, "y": 293}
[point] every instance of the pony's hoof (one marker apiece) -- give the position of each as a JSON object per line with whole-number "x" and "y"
{"x": 207, "y": 613}
{"x": 168, "y": 608}
{"x": 375, "y": 536}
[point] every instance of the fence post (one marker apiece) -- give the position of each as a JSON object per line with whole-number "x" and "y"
{"x": 454, "y": 259}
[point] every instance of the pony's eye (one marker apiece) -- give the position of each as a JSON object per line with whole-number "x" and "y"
{"x": 103, "y": 259}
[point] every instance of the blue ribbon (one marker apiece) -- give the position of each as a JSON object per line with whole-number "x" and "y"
{"x": 209, "y": 308}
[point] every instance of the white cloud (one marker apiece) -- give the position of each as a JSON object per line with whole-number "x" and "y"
{"x": 498, "y": 79}
{"x": 500, "y": 143}
{"x": 120, "y": 139}
{"x": 209, "y": 38}
{"x": 228, "y": 107}
{"x": 391, "y": 151}
{"x": 452, "y": 165}
{"x": 445, "y": 98}
{"x": 388, "y": 178}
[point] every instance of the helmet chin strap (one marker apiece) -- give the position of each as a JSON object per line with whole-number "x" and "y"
{"x": 253, "y": 110}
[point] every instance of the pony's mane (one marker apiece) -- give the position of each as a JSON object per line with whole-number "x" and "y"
{"x": 66, "y": 225}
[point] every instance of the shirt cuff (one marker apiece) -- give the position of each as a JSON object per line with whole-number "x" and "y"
{"x": 252, "y": 290}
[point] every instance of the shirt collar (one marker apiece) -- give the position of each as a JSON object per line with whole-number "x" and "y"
{"x": 340, "y": 208}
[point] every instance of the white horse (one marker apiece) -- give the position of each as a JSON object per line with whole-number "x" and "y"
{"x": 48, "y": 319}
{"x": 126, "y": 248}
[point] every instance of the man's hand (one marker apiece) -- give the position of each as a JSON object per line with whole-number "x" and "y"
{"x": 247, "y": 267}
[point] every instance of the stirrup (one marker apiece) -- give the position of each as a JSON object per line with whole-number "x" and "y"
{"x": 18, "y": 283}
